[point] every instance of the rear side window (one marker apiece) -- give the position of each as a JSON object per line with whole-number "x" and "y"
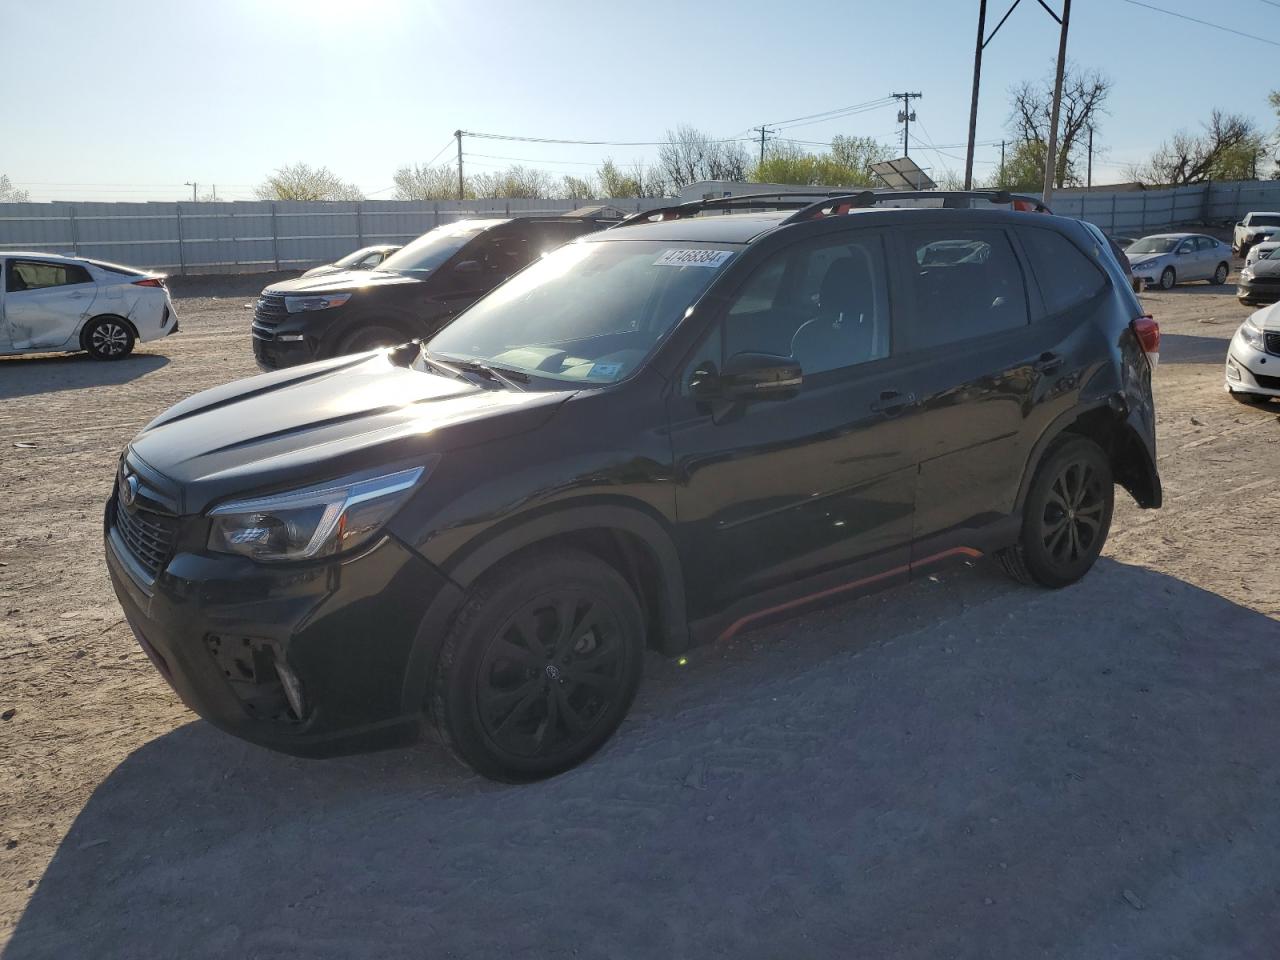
{"x": 36, "y": 275}
{"x": 966, "y": 283}
{"x": 1066, "y": 276}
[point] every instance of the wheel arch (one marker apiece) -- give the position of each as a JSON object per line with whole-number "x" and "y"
{"x": 629, "y": 537}
{"x": 1131, "y": 465}
{"x": 89, "y": 321}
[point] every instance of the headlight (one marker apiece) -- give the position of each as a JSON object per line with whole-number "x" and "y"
{"x": 1246, "y": 273}
{"x": 301, "y": 304}
{"x": 312, "y": 522}
{"x": 1251, "y": 334}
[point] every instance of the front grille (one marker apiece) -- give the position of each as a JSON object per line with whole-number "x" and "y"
{"x": 1273, "y": 343}
{"x": 269, "y": 311}
{"x": 148, "y": 535}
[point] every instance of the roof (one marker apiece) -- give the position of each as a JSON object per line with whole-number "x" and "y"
{"x": 1171, "y": 236}
{"x": 38, "y": 254}
{"x": 722, "y": 228}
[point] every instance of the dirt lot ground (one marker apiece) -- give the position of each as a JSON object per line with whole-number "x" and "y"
{"x": 960, "y": 767}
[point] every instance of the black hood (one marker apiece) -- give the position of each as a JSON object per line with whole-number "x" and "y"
{"x": 324, "y": 420}
{"x": 341, "y": 280}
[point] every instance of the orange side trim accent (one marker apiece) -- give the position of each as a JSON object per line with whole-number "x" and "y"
{"x": 741, "y": 622}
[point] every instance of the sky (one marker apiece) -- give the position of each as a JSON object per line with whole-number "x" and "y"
{"x": 139, "y": 98}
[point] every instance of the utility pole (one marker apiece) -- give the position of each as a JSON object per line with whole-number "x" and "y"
{"x": 973, "y": 102}
{"x": 1051, "y": 157}
{"x": 461, "y": 189}
{"x": 1088, "y": 177}
{"x": 763, "y": 130}
{"x": 192, "y": 184}
{"x": 905, "y": 116}
{"x": 1002, "y": 143}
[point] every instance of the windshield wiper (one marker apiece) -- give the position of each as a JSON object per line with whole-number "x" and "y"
{"x": 511, "y": 379}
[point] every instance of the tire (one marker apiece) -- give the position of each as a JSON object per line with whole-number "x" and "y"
{"x": 1168, "y": 278}
{"x": 370, "y": 338}
{"x": 1220, "y": 275}
{"x": 1253, "y": 399}
{"x": 1246, "y": 302}
{"x": 521, "y": 691}
{"x": 1066, "y": 516}
{"x": 108, "y": 338}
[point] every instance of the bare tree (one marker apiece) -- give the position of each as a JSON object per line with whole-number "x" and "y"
{"x": 299, "y": 181}
{"x": 10, "y": 195}
{"x": 690, "y": 155}
{"x": 577, "y": 188}
{"x": 639, "y": 181}
{"x": 426, "y": 183}
{"x": 1084, "y": 99}
{"x": 514, "y": 182}
{"x": 1228, "y": 149}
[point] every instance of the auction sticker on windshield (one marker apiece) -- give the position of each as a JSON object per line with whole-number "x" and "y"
{"x": 692, "y": 258}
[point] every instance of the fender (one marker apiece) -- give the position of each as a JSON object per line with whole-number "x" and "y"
{"x": 1123, "y": 428}
{"x": 524, "y": 531}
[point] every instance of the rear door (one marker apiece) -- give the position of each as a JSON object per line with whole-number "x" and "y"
{"x": 45, "y": 302}
{"x": 976, "y": 366}
{"x": 774, "y": 492}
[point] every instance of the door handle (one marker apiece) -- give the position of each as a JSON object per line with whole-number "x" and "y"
{"x": 892, "y": 401}
{"x": 1048, "y": 363}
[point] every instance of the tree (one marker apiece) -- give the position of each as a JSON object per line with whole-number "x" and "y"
{"x": 514, "y": 182}
{"x": 641, "y": 181}
{"x": 1230, "y": 148}
{"x": 690, "y": 155}
{"x": 10, "y": 195}
{"x": 426, "y": 183}
{"x": 577, "y": 188}
{"x": 1084, "y": 99}
{"x": 846, "y": 164}
{"x": 1024, "y": 168}
{"x": 298, "y": 181}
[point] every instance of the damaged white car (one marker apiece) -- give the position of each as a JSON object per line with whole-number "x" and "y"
{"x": 51, "y": 303}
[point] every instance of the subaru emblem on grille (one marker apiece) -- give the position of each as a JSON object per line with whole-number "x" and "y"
{"x": 129, "y": 489}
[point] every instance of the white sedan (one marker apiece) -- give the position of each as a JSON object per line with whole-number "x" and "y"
{"x": 51, "y": 303}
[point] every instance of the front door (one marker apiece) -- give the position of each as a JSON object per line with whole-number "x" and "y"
{"x": 776, "y": 494}
{"x": 45, "y": 302}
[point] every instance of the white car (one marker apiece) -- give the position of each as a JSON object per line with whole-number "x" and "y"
{"x": 1260, "y": 250}
{"x": 51, "y": 303}
{"x": 1253, "y": 358}
{"x": 1164, "y": 259}
{"x": 1255, "y": 227}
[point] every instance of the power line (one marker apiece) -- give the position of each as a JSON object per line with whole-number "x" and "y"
{"x": 1206, "y": 23}
{"x": 594, "y": 143}
{"x": 853, "y": 108}
{"x": 447, "y": 144}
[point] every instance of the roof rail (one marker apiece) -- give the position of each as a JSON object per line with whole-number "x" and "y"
{"x": 837, "y": 204}
{"x": 782, "y": 200}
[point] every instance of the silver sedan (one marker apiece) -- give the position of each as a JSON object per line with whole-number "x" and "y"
{"x": 1164, "y": 259}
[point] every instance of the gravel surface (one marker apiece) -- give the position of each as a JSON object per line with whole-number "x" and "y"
{"x": 957, "y": 768}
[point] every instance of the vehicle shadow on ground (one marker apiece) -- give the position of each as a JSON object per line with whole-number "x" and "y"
{"x": 46, "y": 373}
{"x": 1184, "y": 348}
{"x": 956, "y": 767}
{"x": 1191, "y": 288}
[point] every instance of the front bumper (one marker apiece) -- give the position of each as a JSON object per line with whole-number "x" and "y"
{"x": 272, "y": 353}
{"x": 347, "y": 630}
{"x": 1149, "y": 276}
{"x": 1251, "y": 371}
{"x": 1259, "y": 289}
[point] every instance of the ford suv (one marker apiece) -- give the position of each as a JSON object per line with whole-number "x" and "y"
{"x": 657, "y": 435}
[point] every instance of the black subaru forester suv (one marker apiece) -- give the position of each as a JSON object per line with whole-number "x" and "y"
{"x": 657, "y": 435}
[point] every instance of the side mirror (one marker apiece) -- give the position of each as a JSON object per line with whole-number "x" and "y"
{"x": 750, "y": 376}
{"x": 468, "y": 268}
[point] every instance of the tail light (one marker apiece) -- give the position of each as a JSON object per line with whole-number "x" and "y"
{"x": 149, "y": 282}
{"x": 1148, "y": 333}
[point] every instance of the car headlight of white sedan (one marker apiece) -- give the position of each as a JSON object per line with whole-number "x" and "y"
{"x": 1250, "y": 334}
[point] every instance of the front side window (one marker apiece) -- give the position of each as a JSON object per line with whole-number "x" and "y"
{"x": 1186, "y": 246}
{"x": 37, "y": 275}
{"x": 824, "y": 303}
{"x": 587, "y": 313}
{"x": 1206, "y": 243}
{"x": 966, "y": 283}
{"x": 1065, "y": 275}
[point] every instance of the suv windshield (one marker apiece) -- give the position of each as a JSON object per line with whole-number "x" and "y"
{"x": 1264, "y": 220}
{"x": 434, "y": 248}
{"x": 1154, "y": 245}
{"x": 588, "y": 313}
